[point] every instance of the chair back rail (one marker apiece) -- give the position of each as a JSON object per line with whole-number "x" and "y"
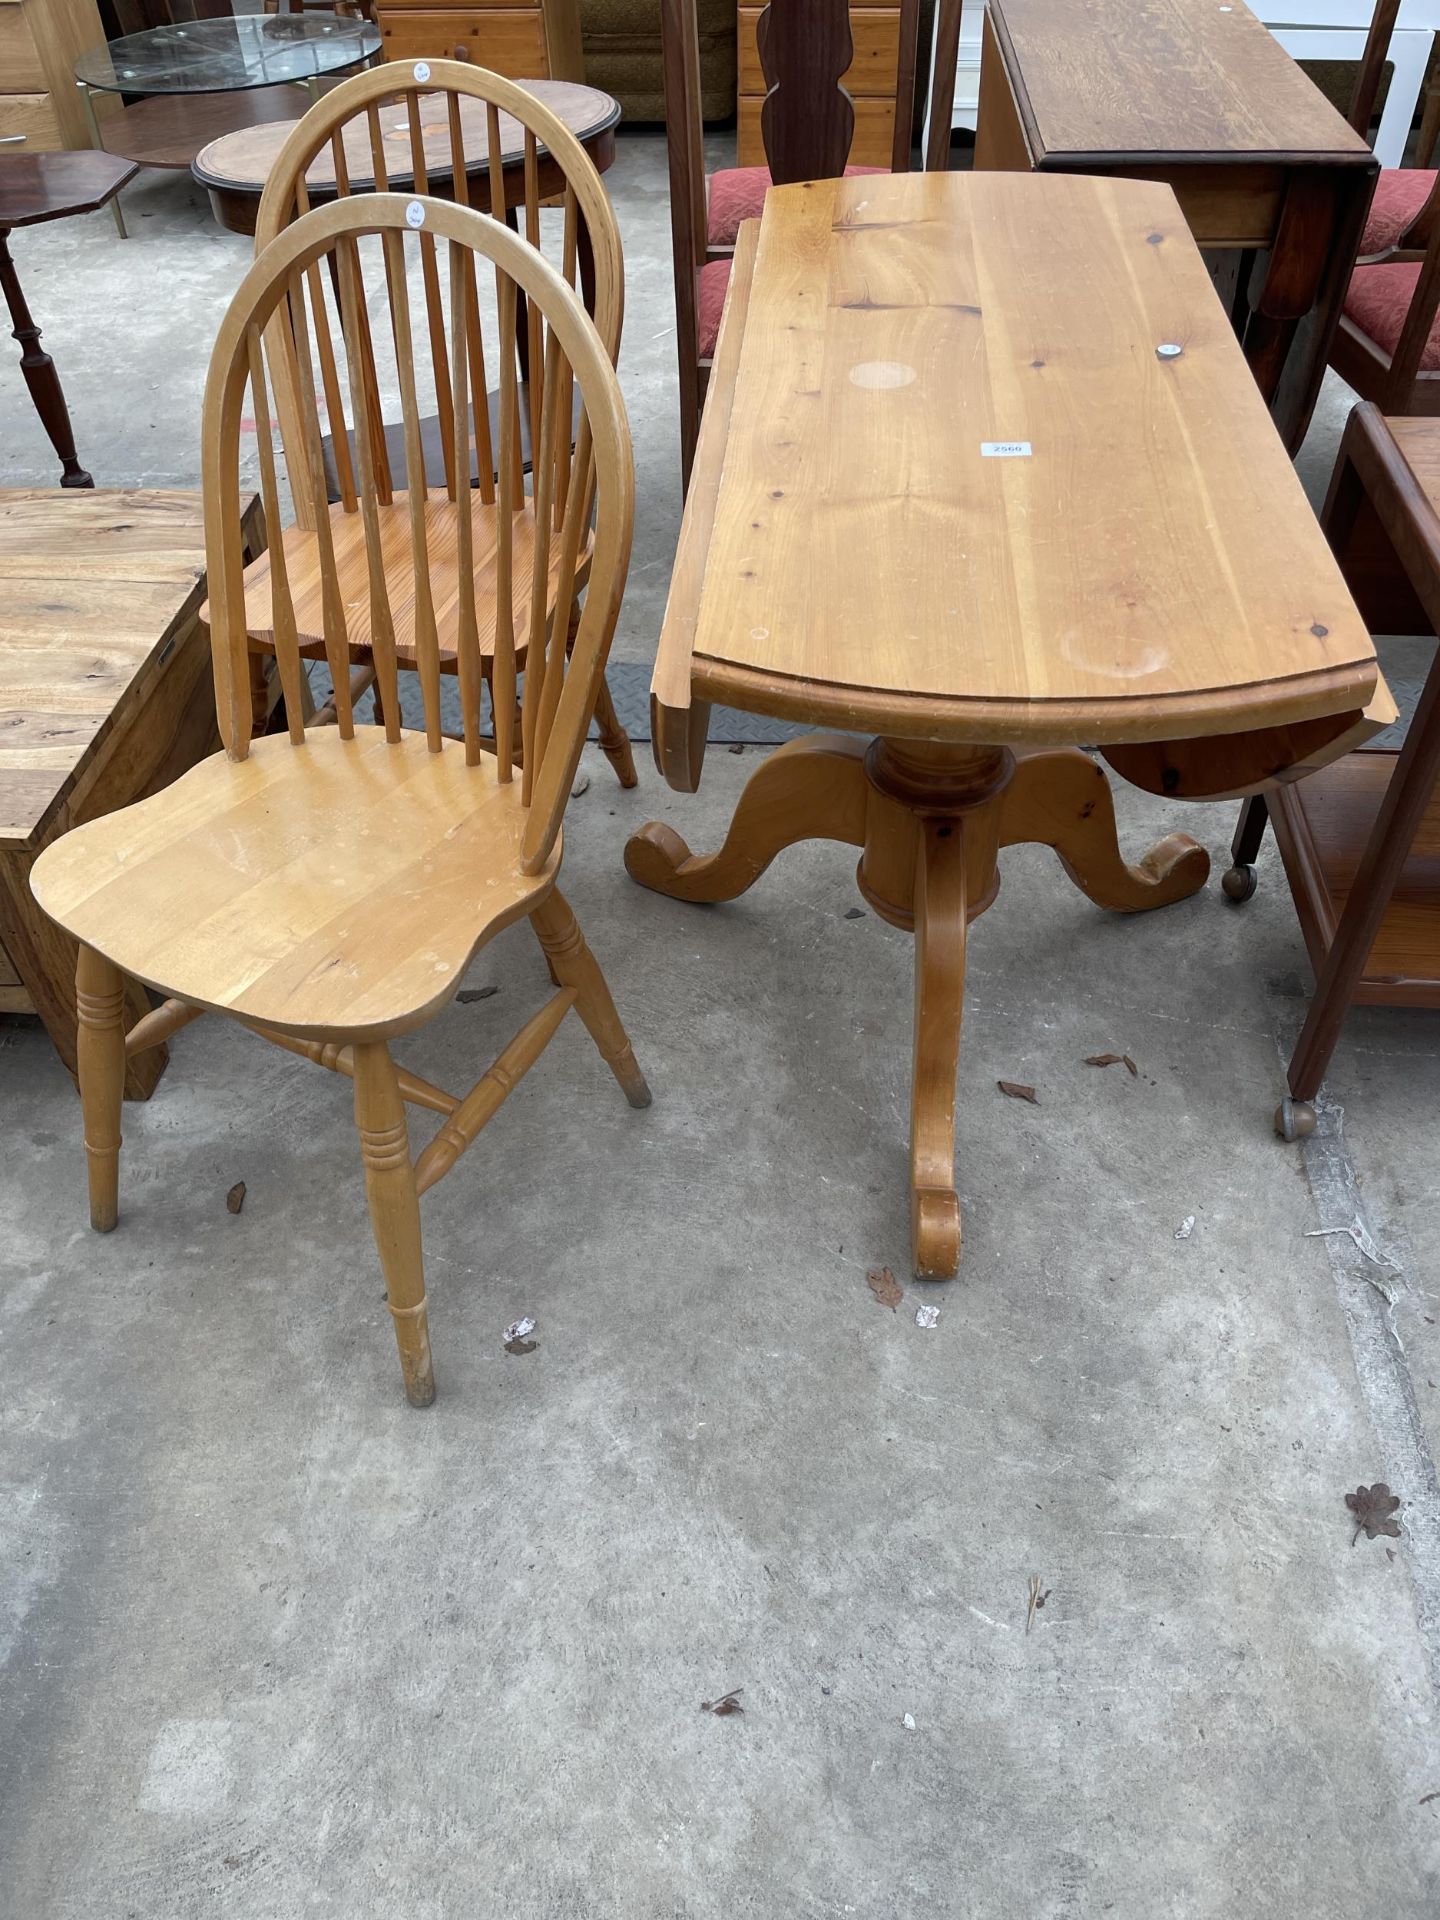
{"x": 513, "y": 556}
{"x": 355, "y": 127}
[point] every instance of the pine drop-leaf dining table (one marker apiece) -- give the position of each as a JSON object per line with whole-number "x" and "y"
{"x": 984, "y": 477}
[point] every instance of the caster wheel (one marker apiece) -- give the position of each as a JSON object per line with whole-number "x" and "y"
{"x": 1239, "y": 884}
{"x": 1294, "y": 1119}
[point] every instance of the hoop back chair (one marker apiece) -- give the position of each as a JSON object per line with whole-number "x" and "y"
{"x": 328, "y": 886}
{"x": 351, "y": 141}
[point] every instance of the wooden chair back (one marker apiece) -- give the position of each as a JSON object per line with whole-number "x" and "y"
{"x": 808, "y": 119}
{"x": 316, "y": 269}
{"x": 352, "y": 139}
{"x": 1372, "y": 66}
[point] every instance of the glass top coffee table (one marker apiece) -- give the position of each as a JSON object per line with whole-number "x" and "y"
{"x": 203, "y": 78}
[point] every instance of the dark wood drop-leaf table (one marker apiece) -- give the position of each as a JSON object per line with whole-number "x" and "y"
{"x": 36, "y": 187}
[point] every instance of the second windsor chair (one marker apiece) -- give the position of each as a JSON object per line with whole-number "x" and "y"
{"x": 386, "y": 120}
{"x": 327, "y": 887}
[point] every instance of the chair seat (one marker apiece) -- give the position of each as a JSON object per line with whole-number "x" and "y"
{"x": 1400, "y": 193}
{"x": 1377, "y": 301}
{"x": 738, "y": 193}
{"x": 332, "y": 887}
{"x": 714, "y": 280}
{"x": 302, "y": 563}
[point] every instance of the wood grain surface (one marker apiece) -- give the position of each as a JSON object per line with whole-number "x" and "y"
{"x": 1150, "y": 569}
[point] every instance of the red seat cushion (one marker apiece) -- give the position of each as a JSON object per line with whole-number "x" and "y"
{"x": 714, "y": 279}
{"x": 738, "y": 193}
{"x": 1378, "y": 301}
{"x": 1400, "y": 193}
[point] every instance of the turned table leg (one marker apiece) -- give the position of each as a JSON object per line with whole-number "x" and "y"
{"x": 39, "y": 371}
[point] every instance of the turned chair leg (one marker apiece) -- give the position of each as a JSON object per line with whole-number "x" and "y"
{"x": 394, "y": 1211}
{"x": 614, "y": 740}
{"x": 100, "y": 1050}
{"x": 573, "y": 965}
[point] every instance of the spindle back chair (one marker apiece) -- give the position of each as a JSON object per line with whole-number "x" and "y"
{"x": 446, "y": 126}
{"x": 327, "y": 887}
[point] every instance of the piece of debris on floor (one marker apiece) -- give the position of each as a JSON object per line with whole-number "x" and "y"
{"x": 1426, "y": 1798}
{"x": 1357, "y": 1232}
{"x": 727, "y": 1703}
{"x": 927, "y": 1316}
{"x": 1014, "y": 1091}
{"x": 235, "y": 1198}
{"x": 472, "y": 994}
{"x": 1374, "y": 1508}
{"x": 908, "y": 1722}
{"x": 1038, "y": 1597}
{"x": 517, "y": 1336}
{"x": 1112, "y": 1060}
{"x": 885, "y": 1287}
{"x": 582, "y": 783}
{"x": 855, "y": 913}
{"x": 738, "y": 747}
{"x": 1186, "y": 1227}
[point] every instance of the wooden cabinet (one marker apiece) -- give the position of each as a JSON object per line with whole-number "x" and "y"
{"x": 40, "y": 41}
{"x": 871, "y": 82}
{"x": 538, "y": 41}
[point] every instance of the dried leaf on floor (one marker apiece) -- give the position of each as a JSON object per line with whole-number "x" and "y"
{"x": 727, "y": 1703}
{"x": 235, "y": 1198}
{"x": 521, "y": 1346}
{"x": 1014, "y": 1091}
{"x": 1374, "y": 1508}
{"x": 1038, "y": 1597}
{"x": 885, "y": 1287}
{"x": 1426, "y": 1798}
{"x": 472, "y": 994}
{"x": 1112, "y": 1060}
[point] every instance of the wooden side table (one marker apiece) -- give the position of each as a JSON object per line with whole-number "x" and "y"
{"x": 105, "y": 696}
{"x": 1361, "y": 839}
{"x": 1201, "y": 96}
{"x": 33, "y": 189}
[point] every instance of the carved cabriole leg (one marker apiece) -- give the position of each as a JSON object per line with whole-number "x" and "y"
{"x": 573, "y": 965}
{"x": 100, "y": 1046}
{"x": 1061, "y": 799}
{"x": 394, "y": 1211}
{"x": 810, "y": 789}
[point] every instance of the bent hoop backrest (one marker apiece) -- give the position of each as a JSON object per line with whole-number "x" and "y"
{"x": 535, "y": 547}
{"x": 375, "y": 122}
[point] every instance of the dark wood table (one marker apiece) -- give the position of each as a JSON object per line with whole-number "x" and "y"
{"x": 106, "y": 695}
{"x": 1199, "y": 94}
{"x": 34, "y": 188}
{"x": 233, "y": 170}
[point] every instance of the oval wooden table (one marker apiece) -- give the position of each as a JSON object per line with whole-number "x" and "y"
{"x": 983, "y": 474}
{"x": 233, "y": 170}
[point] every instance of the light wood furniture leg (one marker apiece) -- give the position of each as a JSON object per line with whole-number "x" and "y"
{"x": 810, "y": 789}
{"x": 1062, "y": 799}
{"x": 573, "y": 965}
{"x": 930, "y": 818}
{"x": 614, "y": 740}
{"x": 939, "y": 1001}
{"x": 394, "y": 1211}
{"x": 100, "y": 1044}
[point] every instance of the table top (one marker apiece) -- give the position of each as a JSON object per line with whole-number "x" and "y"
{"x": 92, "y": 585}
{"x": 227, "y": 55}
{"x": 958, "y": 485}
{"x": 49, "y": 186}
{"x": 1084, "y": 74}
{"x": 241, "y": 162}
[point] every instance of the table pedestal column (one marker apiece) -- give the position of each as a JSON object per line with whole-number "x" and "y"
{"x": 930, "y": 818}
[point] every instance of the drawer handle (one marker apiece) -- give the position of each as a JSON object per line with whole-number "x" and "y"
{"x": 13, "y": 139}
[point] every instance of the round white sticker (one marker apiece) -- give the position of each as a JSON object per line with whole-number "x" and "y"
{"x": 415, "y": 214}
{"x": 422, "y": 70}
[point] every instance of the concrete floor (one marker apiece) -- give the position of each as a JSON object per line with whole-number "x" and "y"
{"x": 276, "y": 1645}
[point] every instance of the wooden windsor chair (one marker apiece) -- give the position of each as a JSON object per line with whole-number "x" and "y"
{"x": 328, "y": 886}
{"x": 446, "y": 126}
